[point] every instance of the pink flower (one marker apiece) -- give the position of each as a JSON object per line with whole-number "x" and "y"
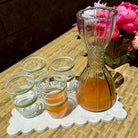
{"x": 116, "y": 33}
{"x": 134, "y": 42}
{"x": 127, "y": 18}
{"x": 74, "y": 30}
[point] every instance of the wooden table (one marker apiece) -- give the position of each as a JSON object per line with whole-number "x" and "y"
{"x": 128, "y": 93}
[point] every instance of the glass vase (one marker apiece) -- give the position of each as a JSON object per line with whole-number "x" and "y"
{"x": 117, "y": 53}
{"x": 96, "y": 89}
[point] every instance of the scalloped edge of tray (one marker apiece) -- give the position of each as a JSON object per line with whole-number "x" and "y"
{"x": 76, "y": 115}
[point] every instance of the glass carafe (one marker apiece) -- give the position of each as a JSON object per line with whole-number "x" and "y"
{"x": 96, "y": 89}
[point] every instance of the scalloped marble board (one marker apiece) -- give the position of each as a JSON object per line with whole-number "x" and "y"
{"x": 76, "y": 115}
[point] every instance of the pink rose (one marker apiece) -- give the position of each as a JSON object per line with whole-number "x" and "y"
{"x": 134, "y": 42}
{"x": 116, "y": 33}
{"x": 127, "y": 18}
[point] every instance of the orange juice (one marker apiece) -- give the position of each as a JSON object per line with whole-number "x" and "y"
{"x": 56, "y": 104}
{"x": 95, "y": 95}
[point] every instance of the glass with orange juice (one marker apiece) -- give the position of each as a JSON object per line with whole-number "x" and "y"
{"x": 54, "y": 94}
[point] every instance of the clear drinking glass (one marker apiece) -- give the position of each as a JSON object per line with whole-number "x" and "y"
{"x": 54, "y": 94}
{"x": 34, "y": 65}
{"x": 20, "y": 87}
{"x": 96, "y": 89}
{"x": 65, "y": 65}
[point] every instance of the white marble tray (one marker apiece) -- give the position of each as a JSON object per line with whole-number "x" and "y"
{"x": 76, "y": 115}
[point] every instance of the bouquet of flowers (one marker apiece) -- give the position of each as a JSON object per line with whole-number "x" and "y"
{"x": 124, "y": 44}
{"x": 127, "y": 24}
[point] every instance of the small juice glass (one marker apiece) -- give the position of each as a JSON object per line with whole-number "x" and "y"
{"x": 36, "y": 66}
{"x": 65, "y": 65}
{"x": 54, "y": 94}
{"x": 20, "y": 87}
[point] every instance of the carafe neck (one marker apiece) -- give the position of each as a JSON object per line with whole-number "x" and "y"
{"x": 96, "y": 58}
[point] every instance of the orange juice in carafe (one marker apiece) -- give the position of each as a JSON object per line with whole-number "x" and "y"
{"x": 95, "y": 95}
